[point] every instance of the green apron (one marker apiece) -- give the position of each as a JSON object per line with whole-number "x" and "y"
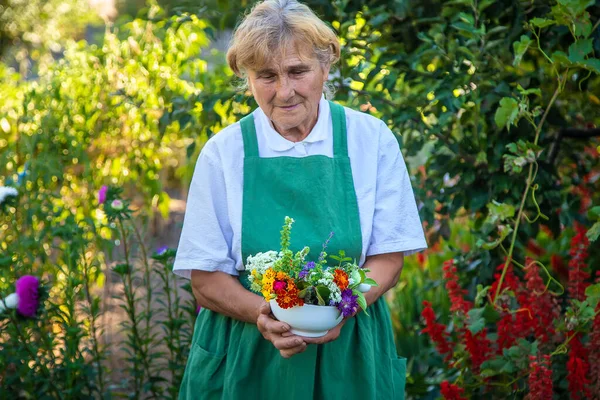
{"x": 230, "y": 359}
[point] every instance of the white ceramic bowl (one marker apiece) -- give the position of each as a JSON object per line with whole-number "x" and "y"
{"x": 308, "y": 320}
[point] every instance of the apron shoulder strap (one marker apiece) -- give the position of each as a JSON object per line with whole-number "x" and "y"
{"x": 338, "y": 118}
{"x": 249, "y": 135}
{"x": 340, "y": 140}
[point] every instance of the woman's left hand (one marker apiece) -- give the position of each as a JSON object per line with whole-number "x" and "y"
{"x": 332, "y": 335}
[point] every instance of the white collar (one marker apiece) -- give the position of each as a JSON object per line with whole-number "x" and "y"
{"x": 319, "y": 132}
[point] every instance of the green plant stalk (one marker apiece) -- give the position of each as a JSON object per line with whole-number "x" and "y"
{"x": 524, "y": 198}
{"x": 148, "y": 284}
{"x": 33, "y": 356}
{"x": 93, "y": 330}
{"x": 171, "y": 337}
{"x": 138, "y": 348}
{"x": 130, "y": 309}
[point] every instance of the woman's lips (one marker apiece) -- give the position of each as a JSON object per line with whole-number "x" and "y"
{"x": 288, "y": 108}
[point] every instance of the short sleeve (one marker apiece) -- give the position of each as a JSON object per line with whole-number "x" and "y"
{"x": 396, "y": 223}
{"x": 205, "y": 242}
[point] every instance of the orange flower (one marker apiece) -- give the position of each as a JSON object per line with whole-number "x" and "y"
{"x": 281, "y": 276}
{"x": 288, "y": 297}
{"x": 340, "y": 278}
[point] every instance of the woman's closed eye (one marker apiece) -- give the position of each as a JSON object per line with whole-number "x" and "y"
{"x": 299, "y": 72}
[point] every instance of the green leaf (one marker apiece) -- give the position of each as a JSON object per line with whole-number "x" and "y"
{"x": 592, "y": 294}
{"x": 525, "y": 92}
{"x": 323, "y": 293}
{"x": 594, "y": 212}
{"x": 122, "y": 269}
{"x": 370, "y": 281}
{"x": 476, "y": 321}
{"x": 594, "y": 232}
{"x": 542, "y": 22}
{"x": 580, "y": 49}
{"x": 362, "y": 302}
{"x": 561, "y": 58}
{"x": 320, "y": 299}
{"x": 520, "y": 48}
{"x": 592, "y": 64}
{"x": 583, "y": 25}
{"x": 507, "y": 113}
{"x": 163, "y": 204}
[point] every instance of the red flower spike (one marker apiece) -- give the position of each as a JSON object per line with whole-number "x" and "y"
{"x": 452, "y": 392}
{"x": 541, "y": 303}
{"x": 479, "y": 347}
{"x": 437, "y": 332}
{"x": 577, "y": 265}
{"x": 578, "y": 369}
{"x": 594, "y": 349}
{"x": 540, "y": 378}
{"x": 455, "y": 292}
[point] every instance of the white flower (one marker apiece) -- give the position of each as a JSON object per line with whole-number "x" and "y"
{"x": 10, "y": 301}
{"x": 261, "y": 261}
{"x": 6, "y": 191}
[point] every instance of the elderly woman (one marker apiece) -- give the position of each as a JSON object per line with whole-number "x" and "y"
{"x": 331, "y": 169}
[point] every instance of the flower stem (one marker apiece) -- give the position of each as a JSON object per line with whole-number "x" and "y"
{"x": 525, "y": 194}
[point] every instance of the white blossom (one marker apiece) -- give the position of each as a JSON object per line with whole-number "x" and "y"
{"x": 261, "y": 261}
{"x": 6, "y": 191}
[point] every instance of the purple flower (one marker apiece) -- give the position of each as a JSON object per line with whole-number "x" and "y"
{"x": 27, "y": 290}
{"x": 349, "y": 304}
{"x": 309, "y": 265}
{"x": 198, "y": 309}
{"x": 102, "y": 194}
{"x": 162, "y": 250}
{"x": 322, "y": 254}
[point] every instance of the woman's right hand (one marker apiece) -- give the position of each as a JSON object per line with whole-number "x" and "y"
{"x": 277, "y": 332}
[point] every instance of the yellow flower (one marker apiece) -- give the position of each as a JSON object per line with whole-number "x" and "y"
{"x": 269, "y": 274}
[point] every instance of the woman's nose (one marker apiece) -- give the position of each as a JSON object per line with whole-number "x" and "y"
{"x": 285, "y": 89}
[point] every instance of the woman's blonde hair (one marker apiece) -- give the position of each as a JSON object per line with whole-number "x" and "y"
{"x": 271, "y": 27}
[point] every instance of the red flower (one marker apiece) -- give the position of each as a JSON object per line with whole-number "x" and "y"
{"x": 506, "y": 332}
{"x": 541, "y": 304}
{"x": 535, "y": 248}
{"x": 437, "y": 332}
{"x": 594, "y": 348}
{"x": 540, "y": 378}
{"x": 558, "y": 265}
{"x": 455, "y": 292}
{"x": 288, "y": 297}
{"x": 578, "y": 253}
{"x": 452, "y": 392}
{"x": 511, "y": 282}
{"x": 421, "y": 259}
{"x": 479, "y": 347}
{"x": 578, "y": 369}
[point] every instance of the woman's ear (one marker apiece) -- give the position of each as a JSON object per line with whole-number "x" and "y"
{"x": 249, "y": 85}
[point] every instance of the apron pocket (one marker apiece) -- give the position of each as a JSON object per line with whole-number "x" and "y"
{"x": 399, "y": 377}
{"x": 206, "y": 372}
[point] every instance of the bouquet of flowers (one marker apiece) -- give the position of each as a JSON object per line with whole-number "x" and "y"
{"x": 291, "y": 281}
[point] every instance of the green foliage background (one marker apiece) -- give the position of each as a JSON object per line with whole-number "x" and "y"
{"x": 457, "y": 81}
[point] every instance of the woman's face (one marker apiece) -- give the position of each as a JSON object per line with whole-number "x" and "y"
{"x": 288, "y": 90}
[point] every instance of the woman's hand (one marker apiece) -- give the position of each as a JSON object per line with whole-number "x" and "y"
{"x": 332, "y": 335}
{"x": 277, "y": 332}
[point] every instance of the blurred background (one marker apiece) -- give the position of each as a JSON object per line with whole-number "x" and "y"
{"x": 495, "y": 105}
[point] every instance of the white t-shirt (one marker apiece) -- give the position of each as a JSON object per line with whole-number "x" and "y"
{"x": 389, "y": 220}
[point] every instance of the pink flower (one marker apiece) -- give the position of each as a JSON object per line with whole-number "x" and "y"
{"x": 116, "y": 205}
{"x": 27, "y": 290}
{"x": 279, "y": 285}
{"x": 102, "y": 194}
